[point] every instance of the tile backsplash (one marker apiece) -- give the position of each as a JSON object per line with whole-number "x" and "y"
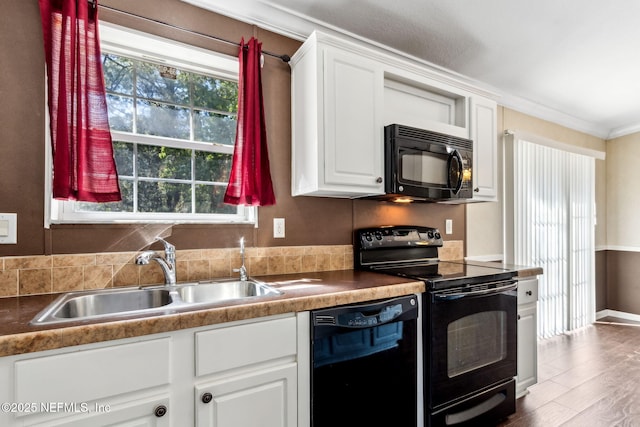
{"x": 45, "y": 274}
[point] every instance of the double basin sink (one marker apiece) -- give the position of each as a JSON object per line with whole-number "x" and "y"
{"x": 112, "y": 303}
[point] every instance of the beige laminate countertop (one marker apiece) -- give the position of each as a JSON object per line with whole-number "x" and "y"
{"x": 301, "y": 292}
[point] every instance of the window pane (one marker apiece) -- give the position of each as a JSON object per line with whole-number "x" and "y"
{"x": 123, "y": 153}
{"x": 162, "y": 83}
{"x": 118, "y": 74}
{"x": 212, "y": 127}
{"x": 210, "y": 200}
{"x": 215, "y": 94}
{"x": 125, "y": 205}
{"x": 154, "y": 118}
{"x": 164, "y": 162}
{"x": 120, "y": 110}
{"x": 164, "y": 197}
{"x": 213, "y": 167}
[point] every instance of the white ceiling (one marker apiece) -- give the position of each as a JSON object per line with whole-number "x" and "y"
{"x": 574, "y": 62}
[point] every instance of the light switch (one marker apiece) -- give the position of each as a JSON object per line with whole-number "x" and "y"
{"x": 8, "y": 228}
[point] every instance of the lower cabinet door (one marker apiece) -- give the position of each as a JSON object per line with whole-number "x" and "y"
{"x": 153, "y": 411}
{"x": 527, "y": 351}
{"x": 267, "y": 397}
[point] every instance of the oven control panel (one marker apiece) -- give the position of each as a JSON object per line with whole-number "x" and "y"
{"x": 397, "y": 236}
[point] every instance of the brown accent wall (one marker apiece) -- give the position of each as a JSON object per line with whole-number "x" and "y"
{"x": 623, "y": 286}
{"x": 601, "y": 280}
{"x": 309, "y": 220}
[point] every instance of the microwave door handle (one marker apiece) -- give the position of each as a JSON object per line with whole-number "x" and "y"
{"x": 455, "y": 154}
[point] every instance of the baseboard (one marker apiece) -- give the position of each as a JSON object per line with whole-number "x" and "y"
{"x": 618, "y": 314}
{"x": 617, "y": 248}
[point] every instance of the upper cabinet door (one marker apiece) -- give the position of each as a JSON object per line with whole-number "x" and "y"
{"x": 485, "y": 149}
{"x": 354, "y": 135}
{"x": 337, "y": 131}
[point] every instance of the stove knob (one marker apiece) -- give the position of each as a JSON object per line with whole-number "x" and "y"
{"x": 368, "y": 237}
{"x": 437, "y": 235}
{"x": 378, "y": 235}
{"x": 430, "y": 234}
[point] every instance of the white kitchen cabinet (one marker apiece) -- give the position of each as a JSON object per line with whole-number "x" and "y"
{"x": 121, "y": 383}
{"x": 231, "y": 374}
{"x": 262, "y": 397}
{"x": 337, "y": 132}
{"x": 139, "y": 413}
{"x": 527, "y": 335}
{"x": 484, "y": 134}
{"x": 247, "y": 366}
{"x": 415, "y": 101}
{"x": 345, "y": 92}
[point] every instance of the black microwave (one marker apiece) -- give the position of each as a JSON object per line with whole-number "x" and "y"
{"x": 422, "y": 165}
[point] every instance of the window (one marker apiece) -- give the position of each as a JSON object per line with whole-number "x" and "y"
{"x": 172, "y": 112}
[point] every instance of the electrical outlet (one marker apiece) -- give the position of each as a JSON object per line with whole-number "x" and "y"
{"x": 448, "y": 226}
{"x": 278, "y": 228}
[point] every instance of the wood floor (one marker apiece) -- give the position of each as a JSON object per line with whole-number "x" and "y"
{"x": 587, "y": 378}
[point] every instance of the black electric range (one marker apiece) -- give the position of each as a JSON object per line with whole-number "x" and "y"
{"x": 469, "y": 324}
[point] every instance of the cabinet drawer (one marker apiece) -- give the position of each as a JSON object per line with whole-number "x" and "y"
{"x": 236, "y": 346}
{"x": 527, "y": 291}
{"x": 87, "y": 375}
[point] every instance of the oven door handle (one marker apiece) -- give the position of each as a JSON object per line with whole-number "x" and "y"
{"x": 512, "y": 286}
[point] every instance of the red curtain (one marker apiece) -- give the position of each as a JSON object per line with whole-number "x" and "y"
{"x": 250, "y": 179}
{"x": 83, "y": 164}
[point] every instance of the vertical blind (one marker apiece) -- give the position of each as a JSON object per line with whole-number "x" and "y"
{"x": 553, "y": 222}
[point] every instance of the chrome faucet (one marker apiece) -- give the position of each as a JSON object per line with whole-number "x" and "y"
{"x": 242, "y": 270}
{"x": 168, "y": 263}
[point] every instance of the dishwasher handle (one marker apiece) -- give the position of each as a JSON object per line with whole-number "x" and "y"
{"x": 369, "y": 315}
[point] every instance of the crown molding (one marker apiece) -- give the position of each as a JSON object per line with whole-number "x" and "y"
{"x": 624, "y": 130}
{"x": 555, "y": 116}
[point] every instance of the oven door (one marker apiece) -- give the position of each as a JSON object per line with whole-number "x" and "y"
{"x": 472, "y": 336}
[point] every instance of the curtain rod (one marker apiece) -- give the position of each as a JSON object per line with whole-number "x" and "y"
{"x": 283, "y": 58}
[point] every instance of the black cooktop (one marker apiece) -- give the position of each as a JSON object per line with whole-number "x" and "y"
{"x": 412, "y": 252}
{"x": 445, "y": 274}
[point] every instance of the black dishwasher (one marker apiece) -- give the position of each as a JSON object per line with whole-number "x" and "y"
{"x": 364, "y": 364}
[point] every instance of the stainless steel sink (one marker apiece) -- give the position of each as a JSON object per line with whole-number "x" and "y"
{"x": 111, "y": 303}
{"x": 101, "y": 303}
{"x": 224, "y": 291}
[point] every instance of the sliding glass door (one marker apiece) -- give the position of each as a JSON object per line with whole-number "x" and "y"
{"x": 550, "y": 203}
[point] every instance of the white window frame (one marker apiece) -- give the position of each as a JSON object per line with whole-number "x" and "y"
{"x": 135, "y": 44}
